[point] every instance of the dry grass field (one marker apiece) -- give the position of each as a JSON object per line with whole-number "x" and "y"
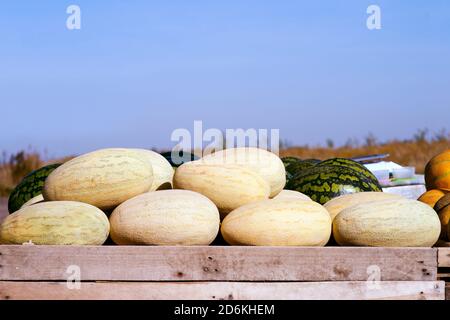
{"x": 406, "y": 153}
{"x": 12, "y": 171}
{"x": 17, "y": 166}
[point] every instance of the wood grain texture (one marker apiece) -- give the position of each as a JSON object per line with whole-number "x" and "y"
{"x": 447, "y": 291}
{"x": 443, "y": 257}
{"x": 357, "y": 290}
{"x": 217, "y": 263}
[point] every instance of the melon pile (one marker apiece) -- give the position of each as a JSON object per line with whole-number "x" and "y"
{"x": 437, "y": 177}
{"x": 240, "y": 196}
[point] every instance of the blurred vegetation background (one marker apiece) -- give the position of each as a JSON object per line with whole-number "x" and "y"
{"x": 14, "y": 167}
{"x": 416, "y": 151}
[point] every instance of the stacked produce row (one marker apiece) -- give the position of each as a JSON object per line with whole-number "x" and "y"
{"x": 247, "y": 196}
{"x": 437, "y": 178}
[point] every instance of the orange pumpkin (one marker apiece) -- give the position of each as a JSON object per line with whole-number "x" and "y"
{"x": 442, "y": 203}
{"x": 437, "y": 172}
{"x": 444, "y": 217}
{"x": 432, "y": 196}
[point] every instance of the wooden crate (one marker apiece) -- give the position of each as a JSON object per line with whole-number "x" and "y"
{"x": 444, "y": 266}
{"x": 216, "y": 272}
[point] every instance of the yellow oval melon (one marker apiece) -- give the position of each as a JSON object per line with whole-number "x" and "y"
{"x": 336, "y": 205}
{"x": 36, "y": 199}
{"x": 291, "y": 194}
{"x": 228, "y": 186}
{"x": 104, "y": 178}
{"x": 289, "y": 222}
{"x": 162, "y": 170}
{"x": 387, "y": 223}
{"x": 165, "y": 217}
{"x": 266, "y": 164}
{"x": 56, "y": 223}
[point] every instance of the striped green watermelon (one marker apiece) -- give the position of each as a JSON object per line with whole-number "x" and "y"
{"x": 313, "y": 161}
{"x": 348, "y": 163}
{"x": 288, "y": 160}
{"x": 183, "y": 157}
{"x": 29, "y": 187}
{"x": 295, "y": 167}
{"x": 325, "y": 182}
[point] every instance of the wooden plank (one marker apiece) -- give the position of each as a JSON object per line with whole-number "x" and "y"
{"x": 357, "y": 290}
{"x": 447, "y": 291}
{"x": 215, "y": 263}
{"x": 443, "y": 257}
{"x": 443, "y": 275}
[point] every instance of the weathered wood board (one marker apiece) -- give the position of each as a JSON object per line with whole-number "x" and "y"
{"x": 444, "y": 257}
{"x": 216, "y": 263}
{"x": 444, "y": 265}
{"x": 343, "y": 290}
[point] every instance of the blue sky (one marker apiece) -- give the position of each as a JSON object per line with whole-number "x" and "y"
{"x": 137, "y": 70}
